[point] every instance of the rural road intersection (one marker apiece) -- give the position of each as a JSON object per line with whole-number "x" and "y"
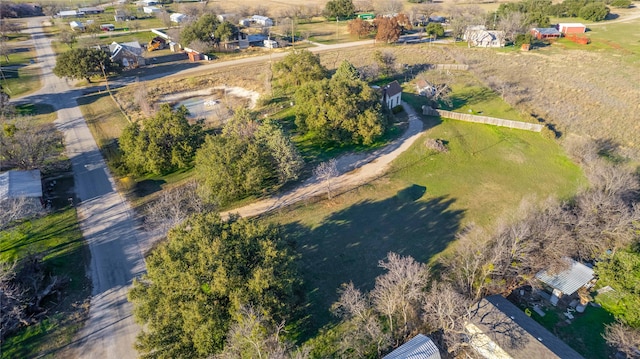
{"x": 106, "y": 219}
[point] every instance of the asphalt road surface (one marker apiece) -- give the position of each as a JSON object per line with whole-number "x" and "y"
{"x": 105, "y": 219}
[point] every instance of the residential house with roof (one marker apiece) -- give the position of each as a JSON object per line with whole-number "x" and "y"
{"x": 20, "y": 184}
{"x": 91, "y": 10}
{"x": 479, "y": 36}
{"x": 151, "y": 10}
{"x": 128, "y": 54}
{"x": 545, "y": 33}
{"x": 178, "y": 18}
{"x": 568, "y": 281}
{"x": 76, "y": 25}
{"x": 391, "y": 95}
{"x": 499, "y": 329}
{"x": 69, "y": 13}
{"x": 262, "y": 20}
{"x": 419, "y": 347}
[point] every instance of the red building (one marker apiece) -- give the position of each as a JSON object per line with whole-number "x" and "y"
{"x": 572, "y": 28}
{"x": 545, "y": 33}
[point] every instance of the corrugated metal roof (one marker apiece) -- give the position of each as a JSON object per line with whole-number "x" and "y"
{"x": 570, "y": 280}
{"x": 547, "y": 30}
{"x": 19, "y": 184}
{"x": 419, "y": 347}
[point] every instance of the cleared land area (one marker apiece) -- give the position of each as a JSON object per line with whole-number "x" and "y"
{"x": 422, "y": 203}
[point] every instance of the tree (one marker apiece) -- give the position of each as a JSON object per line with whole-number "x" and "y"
{"x": 386, "y": 60}
{"x": 165, "y": 143}
{"x": 340, "y": 110}
{"x": 398, "y": 292}
{"x": 596, "y": 11}
{"x": 388, "y": 7}
{"x": 621, "y": 4}
{"x": 225, "y": 31}
{"x": 446, "y": 311}
{"x": 339, "y": 9}
{"x": 68, "y": 38}
{"x": 624, "y": 338}
{"x": 200, "y": 278}
{"x": 84, "y": 63}
{"x": 387, "y": 29}
{"x": 25, "y": 145}
{"x": 435, "y": 29}
{"x": 326, "y": 172}
{"x": 247, "y": 158}
{"x": 359, "y": 27}
{"x": 172, "y": 208}
{"x": 513, "y": 23}
{"x": 364, "y": 336}
{"x": 202, "y": 29}
{"x": 297, "y": 68}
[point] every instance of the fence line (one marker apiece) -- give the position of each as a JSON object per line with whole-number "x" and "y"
{"x": 428, "y": 111}
{"x": 462, "y": 67}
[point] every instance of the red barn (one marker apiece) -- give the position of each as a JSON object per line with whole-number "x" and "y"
{"x": 572, "y": 28}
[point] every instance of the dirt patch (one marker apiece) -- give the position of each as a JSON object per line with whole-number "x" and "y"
{"x": 215, "y": 105}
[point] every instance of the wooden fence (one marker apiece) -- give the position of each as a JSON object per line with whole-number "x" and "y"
{"x": 428, "y": 111}
{"x": 462, "y": 67}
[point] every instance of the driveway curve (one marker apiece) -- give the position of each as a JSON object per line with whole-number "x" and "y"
{"x": 354, "y": 170}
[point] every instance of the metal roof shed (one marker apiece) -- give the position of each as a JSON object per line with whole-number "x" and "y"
{"x": 569, "y": 280}
{"x": 20, "y": 184}
{"x": 419, "y": 347}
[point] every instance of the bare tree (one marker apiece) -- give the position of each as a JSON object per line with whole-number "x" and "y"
{"x": 446, "y": 311}
{"x": 165, "y": 18}
{"x": 26, "y": 146}
{"x": 364, "y": 336}
{"x": 14, "y": 209}
{"x": 388, "y": 7}
{"x": 172, "y": 208}
{"x": 386, "y": 61}
{"x": 398, "y": 292}
{"x": 261, "y": 10}
{"x": 513, "y": 23}
{"x": 326, "y": 172}
{"x": 68, "y": 38}
{"x": 624, "y": 338}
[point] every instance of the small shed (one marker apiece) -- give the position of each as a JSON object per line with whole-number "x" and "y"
{"x": 76, "y": 25}
{"x": 194, "y": 56}
{"x": 91, "y": 10}
{"x": 151, "y": 10}
{"x": 20, "y": 184}
{"x": 262, "y": 20}
{"x": 568, "y": 281}
{"x": 270, "y": 44}
{"x": 178, "y": 17}
{"x": 69, "y": 13}
{"x": 391, "y": 94}
{"x": 572, "y": 28}
{"x": 419, "y": 347}
{"x": 543, "y": 33}
{"x": 424, "y": 88}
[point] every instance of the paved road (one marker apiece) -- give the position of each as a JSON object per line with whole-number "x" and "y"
{"x": 105, "y": 220}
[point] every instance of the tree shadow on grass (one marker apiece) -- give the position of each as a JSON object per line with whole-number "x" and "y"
{"x": 348, "y": 245}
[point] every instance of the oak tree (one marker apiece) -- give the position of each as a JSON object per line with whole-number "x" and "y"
{"x": 81, "y": 63}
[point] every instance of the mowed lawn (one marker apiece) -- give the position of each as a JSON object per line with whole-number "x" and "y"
{"x": 420, "y": 205}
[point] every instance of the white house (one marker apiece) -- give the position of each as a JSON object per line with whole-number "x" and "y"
{"x": 151, "y": 10}
{"x": 76, "y": 25}
{"x": 391, "y": 95}
{"x": 478, "y": 36}
{"x": 178, "y": 17}
{"x": 149, "y": 2}
{"x": 262, "y": 20}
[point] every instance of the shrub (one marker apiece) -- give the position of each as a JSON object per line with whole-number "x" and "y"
{"x": 596, "y": 11}
{"x": 621, "y": 3}
{"x": 397, "y": 109}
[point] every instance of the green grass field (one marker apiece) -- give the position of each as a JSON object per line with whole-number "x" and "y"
{"x": 420, "y": 205}
{"x": 58, "y": 238}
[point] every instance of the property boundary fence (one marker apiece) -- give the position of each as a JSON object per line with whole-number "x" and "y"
{"x": 462, "y": 67}
{"x": 428, "y": 111}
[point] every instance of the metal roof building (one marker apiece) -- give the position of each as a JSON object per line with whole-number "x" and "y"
{"x": 419, "y": 347}
{"x": 499, "y": 329}
{"x": 20, "y": 184}
{"x": 570, "y": 280}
